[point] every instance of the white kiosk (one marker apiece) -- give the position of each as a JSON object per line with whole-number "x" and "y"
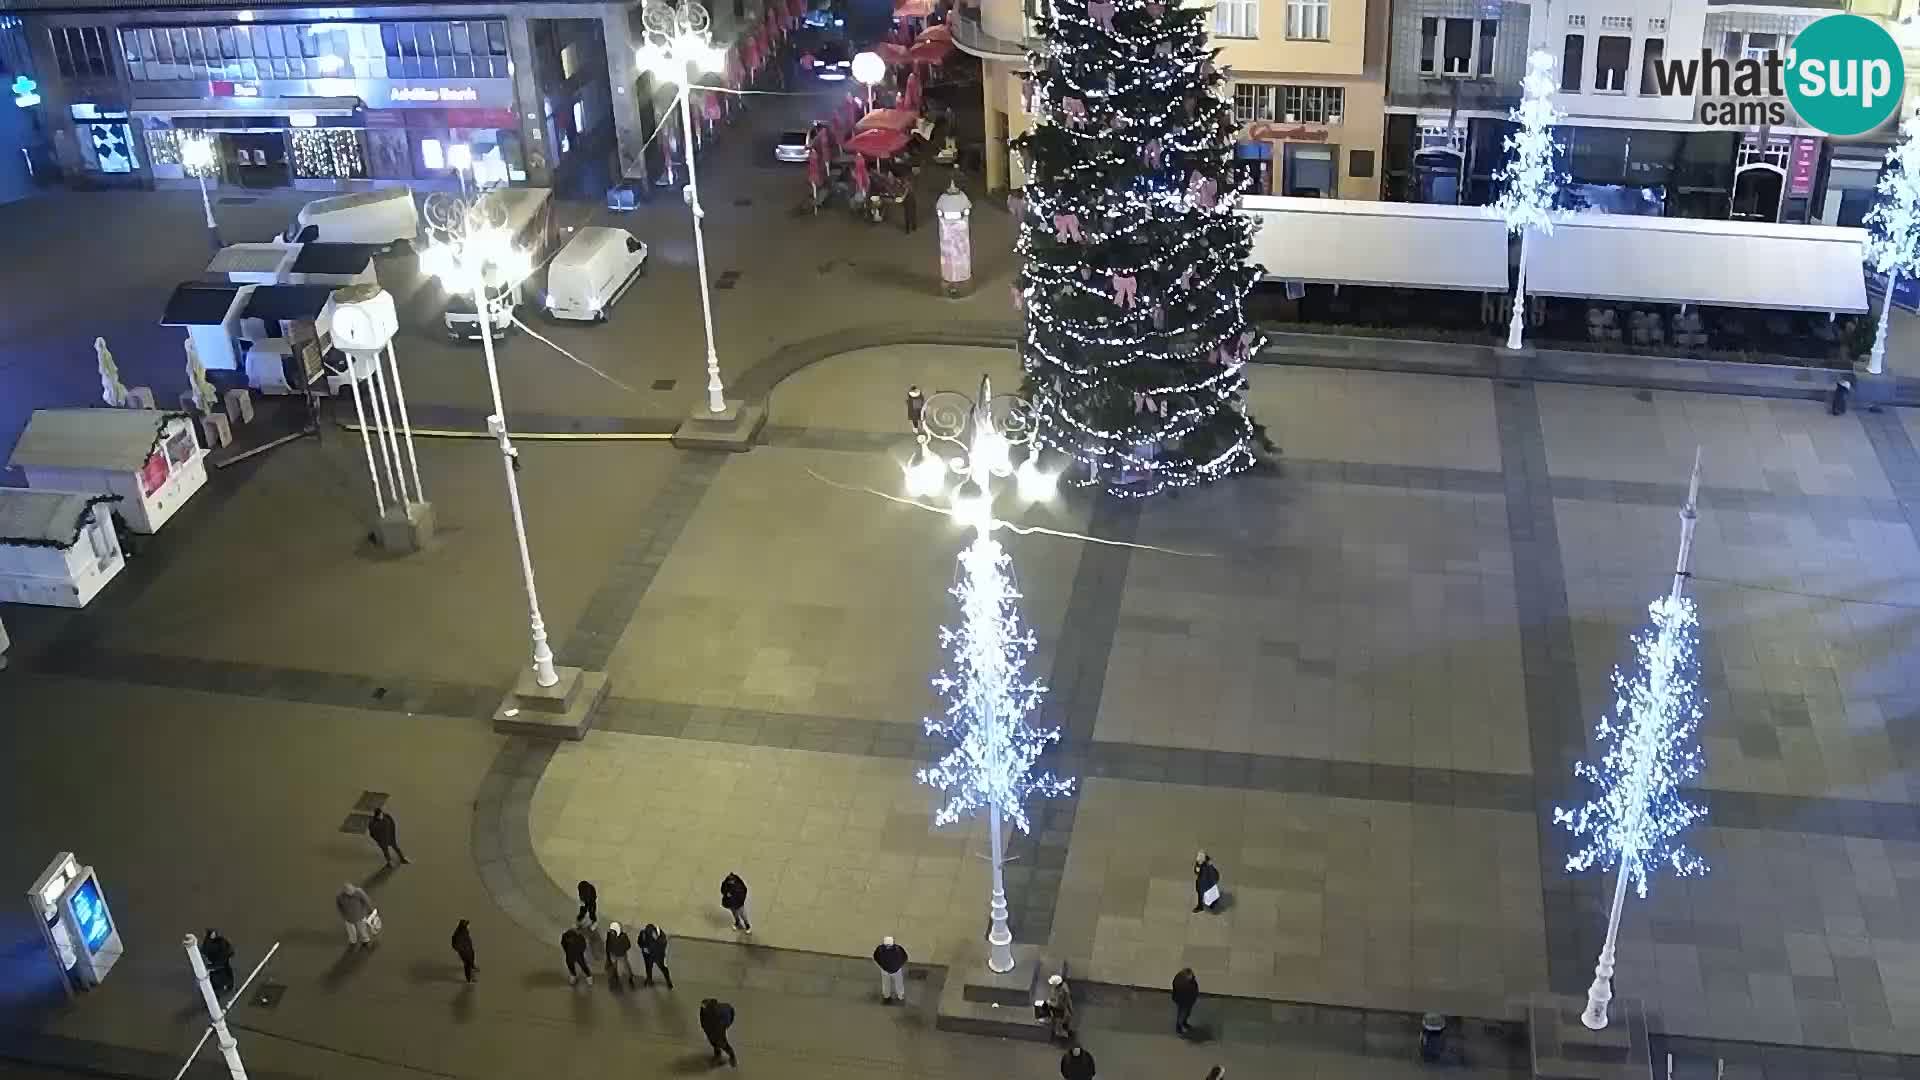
{"x": 57, "y": 548}
{"x": 151, "y": 459}
{"x": 210, "y": 313}
{"x": 75, "y": 923}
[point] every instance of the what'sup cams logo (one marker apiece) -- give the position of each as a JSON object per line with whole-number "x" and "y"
{"x": 1843, "y": 76}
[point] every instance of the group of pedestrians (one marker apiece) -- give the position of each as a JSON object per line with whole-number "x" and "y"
{"x": 617, "y": 947}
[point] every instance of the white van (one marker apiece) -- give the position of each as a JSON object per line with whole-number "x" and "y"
{"x": 527, "y": 214}
{"x": 383, "y": 217}
{"x": 592, "y": 271}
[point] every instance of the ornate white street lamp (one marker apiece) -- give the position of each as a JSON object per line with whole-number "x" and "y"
{"x": 869, "y": 70}
{"x": 991, "y": 763}
{"x": 474, "y": 252}
{"x": 678, "y": 48}
{"x": 196, "y": 154}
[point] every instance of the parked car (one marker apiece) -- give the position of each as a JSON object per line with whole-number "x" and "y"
{"x": 792, "y": 146}
{"x": 592, "y": 272}
{"x": 833, "y": 62}
{"x": 825, "y": 18}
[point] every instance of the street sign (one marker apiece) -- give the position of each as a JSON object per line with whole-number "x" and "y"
{"x": 26, "y": 92}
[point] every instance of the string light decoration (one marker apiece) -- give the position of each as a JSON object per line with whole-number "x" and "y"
{"x": 1532, "y": 182}
{"x": 1893, "y": 229}
{"x": 989, "y": 697}
{"x": 1632, "y": 824}
{"x": 1134, "y": 256}
{"x": 327, "y": 154}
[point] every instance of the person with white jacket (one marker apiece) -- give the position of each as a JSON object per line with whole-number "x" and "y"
{"x": 357, "y": 912}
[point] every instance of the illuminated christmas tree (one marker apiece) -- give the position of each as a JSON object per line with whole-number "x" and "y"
{"x": 1893, "y": 238}
{"x": 1134, "y": 258}
{"x": 1532, "y": 182}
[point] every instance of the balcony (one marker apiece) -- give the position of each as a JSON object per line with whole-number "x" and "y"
{"x": 974, "y": 40}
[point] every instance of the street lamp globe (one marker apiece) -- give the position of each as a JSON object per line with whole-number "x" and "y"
{"x": 197, "y": 154}
{"x": 869, "y": 68}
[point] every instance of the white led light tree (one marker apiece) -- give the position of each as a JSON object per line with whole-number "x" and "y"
{"x": 1135, "y": 259}
{"x": 989, "y": 697}
{"x": 1632, "y": 823}
{"x": 1532, "y": 182}
{"x": 1893, "y": 238}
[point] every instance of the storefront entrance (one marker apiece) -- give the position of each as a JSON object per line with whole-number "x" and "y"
{"x": 255, "y": 159}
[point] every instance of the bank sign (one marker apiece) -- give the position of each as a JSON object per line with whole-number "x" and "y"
{"x": 1843, "y": 76}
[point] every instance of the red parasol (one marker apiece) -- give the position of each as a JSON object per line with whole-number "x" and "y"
{"x": 895, "y": 55}
{"x": 860, "y": 174}
{"x": 816, "y": 169}
{"x": 937, "y": 32}
{"x": 930, "y": 53}
{"x": 912, "y": 9}
{"x": 913, "y": 92}
{"x": 887, "y": 120}
{"x": 877, "y": 142}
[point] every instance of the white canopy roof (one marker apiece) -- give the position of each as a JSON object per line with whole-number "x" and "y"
{"x": 1410, "y": 245}
{"x": 102, "y": 438}
{"x": 1699, "y": 261}
{"x": 31, "y": 516}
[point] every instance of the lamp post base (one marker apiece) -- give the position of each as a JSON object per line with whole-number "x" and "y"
{"x": 563, "y": 711}
{"x": 1563, "y": 1045}
{"x": 732, "y": 430}
{"x": 980, "y": 1002}
{"x": 405, "y": 531}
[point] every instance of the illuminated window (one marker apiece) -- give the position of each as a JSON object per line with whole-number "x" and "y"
{"x": 1236, "y": 18}
{"x": 431, "y": 154}
{"x": 1307, "y": 19}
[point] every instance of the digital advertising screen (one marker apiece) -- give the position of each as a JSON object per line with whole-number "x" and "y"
{"x": 90, "y": 915}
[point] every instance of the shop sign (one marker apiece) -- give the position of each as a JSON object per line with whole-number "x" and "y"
{"x": 26, "y": 92}
{"x": 1268, "y": 131}
{"x": 1806, "y": 161}
{"x": 226, "y": 88}
{"x": 375, "y": 93}
{"x": 433, "y": 94}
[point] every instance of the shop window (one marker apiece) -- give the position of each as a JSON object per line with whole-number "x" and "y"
{"x": 1759, "y": 46}
{"x": 432, "y": 155}
{"x": 1236, "y": 18}
{"x": 1489, "y": 31}
{"x": 569, "y": 60}
{"x": 1307, "y": 19}
{"x": 1360, "y": 164}
{"x": 1429, "y": 37}
{"x": 1254, "y": 101}
{"x": 1312, "y": 104}
{"x": 1654, "y": 52}
{"x": 1610, "y": 64}
{"x": 1571, "y": 61}
{"x": 497, "y": 38}
{"x": 1309, "y": 170}
{"x": 580, "y": 116}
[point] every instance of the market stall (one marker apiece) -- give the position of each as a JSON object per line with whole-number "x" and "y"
{"x": 252, "y": 264}
{"x": 151, "y": 459}
{"x": 333, "y": 265}
{"x": 57, "y": 548}
{"x": 290, "y": 327}
{"x": 210, "y": 314}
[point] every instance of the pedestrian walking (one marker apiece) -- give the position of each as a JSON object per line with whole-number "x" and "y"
{"x": 463, "y": 948}
{"x": 217, "y": 951}
{"x": 653, "y": 953}
{"x": 715, "y": 1018}
{"x": 916, "y": 406}
{"x": 589, "y": 914}
{"x": 892, "y": 961}
{"x": 357, "y": 912}
{"x": 909, "y": 210}
{"x": 1060, "y": 1006}
{"x": 1218, "y": 1072}
{"x": 573, "y": 946}
{"x": 1186, "y": 994}
{"x": 733, "y": 897}
{"x": 1206, "y": 883}
{"x": 385, "y": 832}
{"x": 1076, "y": 1064}
{"x": 618, "y": 946}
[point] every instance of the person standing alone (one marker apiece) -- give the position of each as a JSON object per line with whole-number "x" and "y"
{"x": 1186, "y": 994}
{"x": 892, "y": 961}
{"x": 1076, "y": 1064}
{"x": 1206, "y": 883}
{"x": 715, "y": 1018}
{"x": 356, "y": 910}
{"x": 463, "y": 948}
{"x": 589, "y": 915}
{"x": 733, "y": 897}
{"x": 386, "y": 833}
{"x": 217, "y": 951}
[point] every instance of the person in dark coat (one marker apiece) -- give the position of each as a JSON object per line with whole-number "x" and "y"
{"x": 1186, "y": 994}
{"x": 463, "y": 947}
{"x": 217, "y": 951}
{"x": 618, "y": 946}
{"x": 909, "y": 210}
{"x": 891, "y": 959}
{"x": 733, "y": 897}
{"x": 385, "y": 833}
{"x": 715, "y": 1018}
{"x": 1206, "y": 876}
{"x": 573, "y": 945}
{"x": 589, "y": 905}
{"x": 1076, "y": 1064}
{"x": 653, "y": 953}
{"x": 916, "y": 408}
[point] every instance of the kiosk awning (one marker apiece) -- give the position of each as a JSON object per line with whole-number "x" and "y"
{"x": 200, "y": 304}
{"x": 1698, "y": 261}
{"x": 286, "y": 303}
{"x": 322, "y": 258}
{"x": 246, "y": 106}
{"x": 1409, "y": 245}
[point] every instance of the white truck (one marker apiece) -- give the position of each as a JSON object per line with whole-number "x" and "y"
{"x": 386, "y": 217}
{"x": 528, "y": 216}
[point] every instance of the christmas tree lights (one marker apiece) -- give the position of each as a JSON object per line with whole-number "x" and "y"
{"x": 1893, "y": 237}
{"x": 1134, "y": 258}
{"x": 1532, "y": 181}
{"x": 1633, "y": 822}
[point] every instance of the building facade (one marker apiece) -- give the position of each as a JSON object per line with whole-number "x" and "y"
{"x": 329, "y": 99}
{"x": 1635, "y": 143}
{"x": 1308, "y": 85}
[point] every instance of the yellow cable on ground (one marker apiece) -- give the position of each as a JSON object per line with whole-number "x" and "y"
{"x": 550, "y": 436}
